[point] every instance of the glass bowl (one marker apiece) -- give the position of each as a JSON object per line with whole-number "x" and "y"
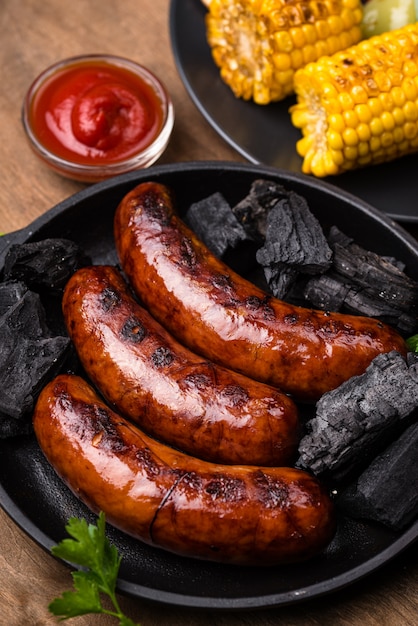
{"x": 49, "y": 106}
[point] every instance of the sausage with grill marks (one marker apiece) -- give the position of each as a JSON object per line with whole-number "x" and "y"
{"x": 226, "y": 513}
{"x": 174, "y": 395}
{"x": 222, "y": 316}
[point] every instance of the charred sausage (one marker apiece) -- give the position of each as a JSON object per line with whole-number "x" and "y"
{"x": 220, "y": 315}
{"x": 174, "y": 395}
{"x": 227, "y": 513}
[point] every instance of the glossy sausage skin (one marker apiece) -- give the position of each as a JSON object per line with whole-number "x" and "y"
{"x": 227, "y": 513}
{"x": 174, "y": 395}
{"x": 220, "y": 315}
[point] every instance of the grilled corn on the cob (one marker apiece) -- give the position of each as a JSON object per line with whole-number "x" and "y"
{"x": 360, "y": 106}
{"x": 259, "y": 44}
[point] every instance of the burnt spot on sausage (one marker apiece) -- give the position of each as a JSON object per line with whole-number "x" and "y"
{"x": 97, "y": 427}
{"x": 187, "y": 254}
{"x": 254, "y": 303}
{"x": 291, "y": 319}
{"x": 109, "y": 299}
{"x": 147, "y": 461}
{"x": 133, "y": 330}
{"x": 226, "y": 488}
{"x": 235, "y": 394}
{"x": 272, "y": 492}
{"x": 162, "y": 357}
{"x": 154, "y": 205}
{"x": 222, "y": 281}
{"x": 192, "y": 480}
{"x": 198, "y": 381}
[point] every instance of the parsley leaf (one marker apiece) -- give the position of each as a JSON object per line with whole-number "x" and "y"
{"x": 90, "y": 549}
{"x": 412, "y": 343}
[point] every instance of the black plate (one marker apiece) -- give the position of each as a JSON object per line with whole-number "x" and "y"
{"x": 39, "y": 503}
{"x": 264, "y": 134}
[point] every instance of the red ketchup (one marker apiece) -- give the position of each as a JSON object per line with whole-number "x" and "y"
{"x": 96, "y": 113}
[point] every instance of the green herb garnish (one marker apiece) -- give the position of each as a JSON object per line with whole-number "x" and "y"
{"x": 412, "y": 343}
{"x": 90, "y": 549}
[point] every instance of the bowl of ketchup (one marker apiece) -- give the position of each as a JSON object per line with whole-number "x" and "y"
{"x": 92, "y": 117}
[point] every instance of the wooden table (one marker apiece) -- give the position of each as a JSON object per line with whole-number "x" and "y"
{"x": 34, "y": 35}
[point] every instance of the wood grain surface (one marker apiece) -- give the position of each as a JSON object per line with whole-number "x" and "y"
{"x": 34, "y": 35}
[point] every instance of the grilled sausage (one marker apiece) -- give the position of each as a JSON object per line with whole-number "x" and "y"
{"x": 228, "y": 513}
{"x": 220, "y": 315}
{"x": 174, "y": 395}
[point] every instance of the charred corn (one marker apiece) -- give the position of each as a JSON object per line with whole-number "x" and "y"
{"x": 259, "y": 44}
{"x": 360, "y": 106}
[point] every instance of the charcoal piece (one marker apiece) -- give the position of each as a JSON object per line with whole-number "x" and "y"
{"x": 29, "y": 355}
{"x": 354, "y": 421}
{"x": 295, "y": 243}
{"x": 10, "y": 293}
{"x": 363, "y": 283}
{"x": 333, "y": 292}
{"x": 10, "y": 427}
{"x": 387, "y": 491}
{"x": 214, "y": 223}
{"x": 327, "y": 292}
{"x": 45, "y": 264}
{"x": 252, "y": 210}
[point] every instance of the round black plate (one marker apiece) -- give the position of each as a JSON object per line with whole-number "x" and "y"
{"x": 264, "y": 134}
{"x": 37, "y": 500}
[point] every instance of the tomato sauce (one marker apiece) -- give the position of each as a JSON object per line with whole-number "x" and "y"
{"x": 96, "y": 113}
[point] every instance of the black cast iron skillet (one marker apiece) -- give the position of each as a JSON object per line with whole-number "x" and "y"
{"x": 40, "y": 504}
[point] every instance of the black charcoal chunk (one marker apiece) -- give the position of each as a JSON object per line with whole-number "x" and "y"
{"x": 215, "y": 224}
{"x": 45, "y": 264}
{"x": 332, "y": 292}
{"x": 294, "y": 244}
{"x": 10, "y": 427}
{"x": 352, "y": 422}
{"x": 364, "y": 283}
{"x": 387, "y": 491}
{"x": 29, "y": 355}
{"x": 252, "y": 210}
{"x": 10, "y": 293}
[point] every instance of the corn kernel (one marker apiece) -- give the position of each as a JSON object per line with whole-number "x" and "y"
{"x": 310, "y": 32}
{"x": 363, "y": 148}
{"x": 350, "y": 137}
{"x": 387, "y": 120}
{"x": 364, "y": 113}
{"x": 409, "y": 88}
{"x": 350, "y": 153}
{"x": 376, "y": 126}
{"x": 398, "y": 116}
{"x": 281, "y": 61}
{"x": 322, "y": 29}
{"x": 375, "y": 107}
{"x": 336, "y": 24}
{"x": 410, "y": 110}
{"x": 350, "y": 118}
{"x": 386, "y": 100}
{"x": 346, "y": 101}
{"x": 335, "y": 140}
{"x": 363, "y": 131}
{"x": 296, "y": 59}
{"x": 337, "y": 156}
{"x": 386, "y": 139}
{"x": 398, "y": 96}
{"x": 410, "y": 130}
{"x": 309, "y": 54}
{"x": 336, "y": 122}
{"x": 359, "y": 95}
{"x": 283, "y": 41}
{"x": 375, "y": 144}
{"x": 298, "y": 37}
